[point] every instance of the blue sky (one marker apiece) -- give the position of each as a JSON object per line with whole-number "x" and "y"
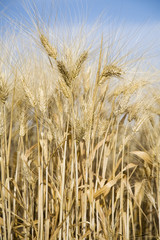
{"x": 135, "y": 11}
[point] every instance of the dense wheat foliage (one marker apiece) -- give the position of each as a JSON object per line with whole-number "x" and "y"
{"x": 79, "y": 140}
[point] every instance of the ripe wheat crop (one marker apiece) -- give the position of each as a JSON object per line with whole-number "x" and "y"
{"x": 79, "y": 141}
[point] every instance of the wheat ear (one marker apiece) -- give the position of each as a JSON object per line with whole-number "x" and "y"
{"x": 4, "y": 91}
{"x": 51, "y": 51}
{"x": 64, "y": 73}
{"x": 79, "y": 64}
{"x": 110, "y": 71}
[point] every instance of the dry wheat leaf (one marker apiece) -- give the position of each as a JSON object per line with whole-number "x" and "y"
{"x": 130, "y": 165}
{"x": 151, "y": 199}
{"x": 85, "y": 235}
{"x": 103, "y": 219}
{"x": 143, "y": 155}
{"x": 92, "y": 155}
{"x": 106, "y": 188}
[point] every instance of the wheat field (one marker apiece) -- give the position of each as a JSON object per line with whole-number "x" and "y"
{"x": 79, "y": 137}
